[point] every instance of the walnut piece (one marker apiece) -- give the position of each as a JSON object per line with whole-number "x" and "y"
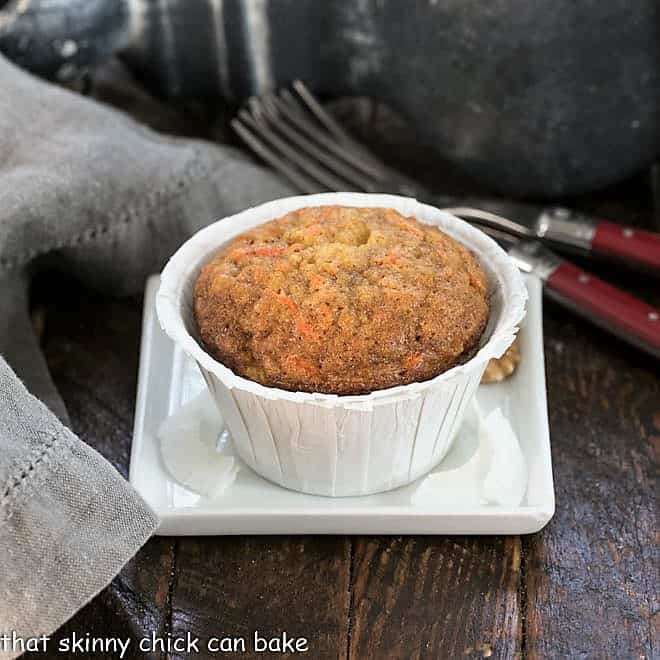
{"x": 500, "y": 368}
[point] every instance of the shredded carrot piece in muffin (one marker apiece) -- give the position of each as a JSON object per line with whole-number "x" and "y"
{"x": 316, "y": 282}
{"x": 389, "y": 258}
{"x": 267, "y": 251}
{"x": 257, "y": 251}
{"x": 298, "y": 364}
{"x": 413, "y": 361}
{"x": 285, "y": 300}
{"x": 305, "y": 328}
{"x": 396, "y": 219}
{"x": 313, "y": 229}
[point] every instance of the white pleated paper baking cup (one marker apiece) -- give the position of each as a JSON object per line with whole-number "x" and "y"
{"x": 341, "y": 445}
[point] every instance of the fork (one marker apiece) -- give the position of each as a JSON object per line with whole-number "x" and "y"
{"x": 298, "y": 138}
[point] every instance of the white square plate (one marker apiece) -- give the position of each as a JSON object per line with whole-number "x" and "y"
{"x": 252, "y": 505}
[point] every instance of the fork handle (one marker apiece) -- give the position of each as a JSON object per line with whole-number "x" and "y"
{"x": 601, "y": 303}
{"x": 607, "y": 306}
{"x": 572, "y": 229}
{"x": 627, "y": 243}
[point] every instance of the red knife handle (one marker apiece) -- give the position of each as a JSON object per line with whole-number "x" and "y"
{"x": 626, "y": 316}
{"x": 627, "y": 243}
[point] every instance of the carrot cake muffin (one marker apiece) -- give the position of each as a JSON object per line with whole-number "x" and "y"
{"x": 341, "y": 300}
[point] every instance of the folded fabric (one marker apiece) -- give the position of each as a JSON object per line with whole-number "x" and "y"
{"x": 68, "y": 521}
{"x": 90, "y": 190}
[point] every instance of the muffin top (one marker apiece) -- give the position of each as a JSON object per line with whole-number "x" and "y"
{"x": 341, "y": 300}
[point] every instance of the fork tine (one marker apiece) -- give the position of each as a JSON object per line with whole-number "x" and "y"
{"x": 359, "y": 151}
{"x": 347, "y": 143}
{"x": 319, "y": 135}
{"x": 283, "y": 125}
{"x": 333, "y": 126}
{"x": 485, "y": 219}
{"x": 296, "y": 178}
{"x": 323, "y": 176}
{"x": 338, "y": 166}
{"x": 317, "y": 110}
{"x": 500, "y": 236}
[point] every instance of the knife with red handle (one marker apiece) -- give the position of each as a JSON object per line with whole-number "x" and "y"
{"x": 605, "y": 305}
{"x": 629, "y": 244}
{"x": 566, "y": 229}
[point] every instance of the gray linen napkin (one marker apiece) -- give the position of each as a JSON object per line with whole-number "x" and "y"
{"x": 88, "y": 188}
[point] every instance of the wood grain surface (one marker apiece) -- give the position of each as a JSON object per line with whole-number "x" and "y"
{"x": 592, "y": 575}
{"x": 435, "y": 597}
{"x": 585, "y": 587}
{"x": 267, "y": 585}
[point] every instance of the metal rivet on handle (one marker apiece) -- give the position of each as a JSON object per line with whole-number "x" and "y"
{"x": 583, "y": 278}
{"x": 653, "y": 316}
{"x": 628, "y": 232}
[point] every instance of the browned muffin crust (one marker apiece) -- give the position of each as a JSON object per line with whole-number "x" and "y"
{"x": 341, "y": 300}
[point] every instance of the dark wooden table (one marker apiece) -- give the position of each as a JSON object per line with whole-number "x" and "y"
{"x": 586, "y": 586}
